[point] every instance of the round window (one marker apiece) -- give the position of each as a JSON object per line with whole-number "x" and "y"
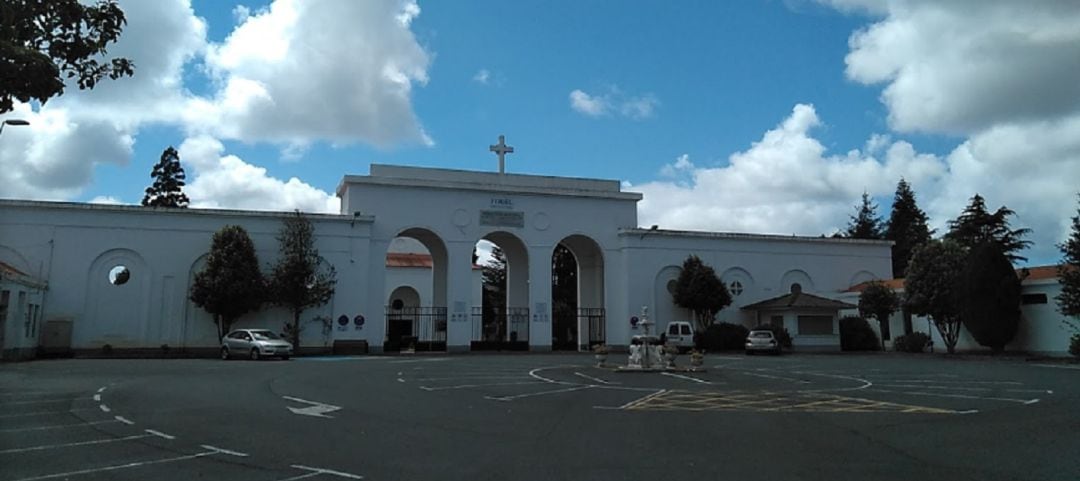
{"x": 397, "y": 304}
{"x": 119, "y": 275}
{"x": 796, "y": 288}
{"x": 671, "y": 286}
{"x": 736, "y": 288}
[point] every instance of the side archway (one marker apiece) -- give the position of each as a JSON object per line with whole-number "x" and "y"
{"x": 118, "y": 291}
{"x": 578, "y": 295}
{"x": 796, "y": 280}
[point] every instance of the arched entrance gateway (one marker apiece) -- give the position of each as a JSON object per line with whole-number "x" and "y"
{"x": 577, "y": 294}
{"x": 415, "y": 309}
{"x": 501, "y": 321}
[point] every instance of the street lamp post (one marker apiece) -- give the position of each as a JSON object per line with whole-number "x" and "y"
{"x": 17, "y": 122}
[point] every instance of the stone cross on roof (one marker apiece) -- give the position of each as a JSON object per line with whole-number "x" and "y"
{"x": 501, "y": 149}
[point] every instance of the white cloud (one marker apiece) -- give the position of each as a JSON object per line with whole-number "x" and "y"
{"x": 106, "y": 200}
{"x": 482, "y": 76}
{"x": 614, "y": 101}
{"x": 303, "y": 71}
{"x": 587, "y": 104}
{"x": 784, "y": 184}
{"x": 226, "y": 181}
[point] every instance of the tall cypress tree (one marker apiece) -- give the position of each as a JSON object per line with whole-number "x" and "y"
{"x": 906, "y": 227}
{"x": 977, "y": 226}
{"x": 168, "y": 178}
{"x": 1069, "y": 271}
{"x": 865, "y": 224}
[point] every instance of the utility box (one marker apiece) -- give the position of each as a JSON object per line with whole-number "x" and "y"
{"x": 56, "y": 338}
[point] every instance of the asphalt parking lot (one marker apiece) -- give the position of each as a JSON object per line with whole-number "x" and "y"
{"x": 543, "y": 416}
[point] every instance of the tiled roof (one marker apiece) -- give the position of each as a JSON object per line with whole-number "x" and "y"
{"x": 405, "y": 259}
{"x": 798, "y": 300}
{"x": 1037, "y": 273}
{"x": 10, "y": 270}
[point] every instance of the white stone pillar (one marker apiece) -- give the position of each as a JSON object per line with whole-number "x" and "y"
{"x": 459, "y": 295}
{"x": 540, "y": 297}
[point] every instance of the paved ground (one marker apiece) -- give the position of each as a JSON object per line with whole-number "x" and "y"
{"x": 542, "y": 417}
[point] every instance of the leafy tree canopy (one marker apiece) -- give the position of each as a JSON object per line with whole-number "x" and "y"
{"x": 700, "y": 290}
{"x": 976, "y": 226}
{"x": 299, "y": 280}
{"x": 231, "y": 284}
{"x": 41, "y": 42}
{"x": 1069, "y": 271}
{"x": 990, "y": 297}
{"x": 866, "y": 223}
{"x": 931, "y": 286}
{"x": 906, "y": 227}
{"x": 878, "y": 301}
{"x": 169, "y": 180}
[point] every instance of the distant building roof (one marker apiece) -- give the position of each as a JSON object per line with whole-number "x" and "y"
{"x": 8, "y": 271}
{"x": 1037, "y": 273}
{"x": 798, "y": 300}
{"x": 406, "y": 259}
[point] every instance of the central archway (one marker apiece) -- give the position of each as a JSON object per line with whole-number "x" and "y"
{"x": 502, "y": 319}
{"x": 577, "y": 294}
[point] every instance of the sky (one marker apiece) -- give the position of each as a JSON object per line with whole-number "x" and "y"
{"x": 763, "y": 116}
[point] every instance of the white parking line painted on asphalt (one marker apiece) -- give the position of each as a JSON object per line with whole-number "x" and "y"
{"x": 687, "y": 378}
{"x": 532, "y": 394}
{"x": 471, "y": 378}
{"x": 594, "y": 379}
{"x": 97, "y": 397}
{"x": 1056, "y": 366}
{"x": 81, "y": 443}
{"x": 124, "y": 420}
{"x": 27, "y": 393}
{"x": 224, "y": 451}
{"x": 770, "y": 376}
{"x": 159, "y": 434}
{"x": 965, "y": 388}
{"x": 331, "y": 472}
{"x": 951, "y": 381}
{"x": 57, "y": 426}
{"x": 45, "y": 401}
{"x": 102, "y": 389}
{"x": 464, "y": 386}
{"x": 120, "y": 466}
{"x": 104, "y": 408}
{"x": 316, "y": 409}
{"x": 434, "y": 359}
{"x": 961, "y": 396}
{"x": 643, "y": 399}
{"x": 44, "y": 413}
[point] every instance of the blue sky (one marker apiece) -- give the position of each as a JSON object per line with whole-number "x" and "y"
{"x": 753, "y": 116}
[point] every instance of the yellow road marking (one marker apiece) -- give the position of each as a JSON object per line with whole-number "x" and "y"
{"x": 772, "y": 402}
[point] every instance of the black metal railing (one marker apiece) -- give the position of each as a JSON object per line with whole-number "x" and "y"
{"x": 419, "y": 328}
{"x": 500, "y": 330}
{"x": 594, "y": 319}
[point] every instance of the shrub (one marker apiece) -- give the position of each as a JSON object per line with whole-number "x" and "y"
{"x": 1074, "y": 345}
{"x": 724, "y": 337}
{"x": 857, "y": 335}
{"x": 780, "y": 333}
{"x": 914, "y": 342}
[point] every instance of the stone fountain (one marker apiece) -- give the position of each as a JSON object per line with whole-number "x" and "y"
{"x": 643, "y": 356}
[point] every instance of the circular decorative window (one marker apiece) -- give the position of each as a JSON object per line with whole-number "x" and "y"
{"x": 119, "y": 275}
{"x": 397, "y": 305}
{"x": 671, "y": 286}
{"x": 736, "y": 288}
{"x": 796, "y": 288}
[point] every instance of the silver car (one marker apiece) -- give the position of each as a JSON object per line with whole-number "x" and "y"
{"x": 254, "y": 344}
{"x": 762, "y": 340}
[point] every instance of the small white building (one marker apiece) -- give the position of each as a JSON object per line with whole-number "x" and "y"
{"x": 1043, "y": 329}
{"x": 74, "y": 252}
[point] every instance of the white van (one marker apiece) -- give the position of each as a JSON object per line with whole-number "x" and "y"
{"x": 681, "y": 334}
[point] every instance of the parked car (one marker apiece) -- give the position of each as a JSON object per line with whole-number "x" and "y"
{"x": 681, "y": 334}
{"x": 762, "y": 340}
{"x": 255, "y": 344}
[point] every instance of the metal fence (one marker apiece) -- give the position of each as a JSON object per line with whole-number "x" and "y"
{"x": 592, "y": 321}
{"x": 421, "y": 328}
{"x": 500, "y": 330}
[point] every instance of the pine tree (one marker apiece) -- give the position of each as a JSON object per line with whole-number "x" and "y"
{"x": 977, "y": 226}
{"x": 298, "y": 280}
{"x": 1069, "y": 272}
{"x": 865, "y": 224}
{"x": 168, "y": 178}
{"x": 906, "y": 227}
{"x": 989, "y": 299}
{"x": 231, "y": 284}
{"x": 493, "y": 294}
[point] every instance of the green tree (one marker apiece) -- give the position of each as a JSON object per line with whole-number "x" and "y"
{"x": 298, "y": 280}
{"x": 931, "y": 286}
{"x": 878, "y": 301}
{"x": 231, "y": 284}
{"x": 1069, "y": 271}
{"x": 700, "y": 290}
{"x": 866, "y": 223}
{"x": 41, "y": 42}
{"x": 976, "y": 226}
{"x": 990, "y": 297}
{"x": 564, "y": 296}
{"x": 906, "y": 227}
{"x": 493, "y": 294}
{"x": 169, "y": 180}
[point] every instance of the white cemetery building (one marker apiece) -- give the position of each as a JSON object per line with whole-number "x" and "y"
{"x": 87, "y": 276}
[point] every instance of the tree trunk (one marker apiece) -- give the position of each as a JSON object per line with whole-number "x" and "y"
{"x": 296, "y": 331}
